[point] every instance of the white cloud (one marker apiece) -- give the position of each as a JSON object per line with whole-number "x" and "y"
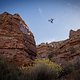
{"x": 49, "y": 40}
{"x": 44, "y": 41}
{"x": 40, "y": 10}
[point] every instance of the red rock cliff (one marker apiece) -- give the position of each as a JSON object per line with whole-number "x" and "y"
{"x": 63, "y": 52}
{"x": 17, "y": 42}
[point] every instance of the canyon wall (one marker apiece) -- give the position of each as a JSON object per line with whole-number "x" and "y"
{"x": 17, "y": 42}
{"x": 62, "y": 52}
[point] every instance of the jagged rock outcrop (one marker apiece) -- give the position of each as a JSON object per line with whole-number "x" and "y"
{"x": 63, "y": 52}
{"x": 17, "y": 42}
{"x": 43, "y": 50}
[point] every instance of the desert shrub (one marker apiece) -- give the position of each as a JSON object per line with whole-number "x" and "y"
{"x": 9, "y": 71}
{"x": 57, "y": 68}
{"x": 43, "y": 69}
{"x": 72, "y": 69}
{"x": 46, "y": 69}
{"x": 50, "y": 55}
{"x": 71, "y": 75}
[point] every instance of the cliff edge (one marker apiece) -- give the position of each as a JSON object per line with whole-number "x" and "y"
{"x": 17, "y": 42}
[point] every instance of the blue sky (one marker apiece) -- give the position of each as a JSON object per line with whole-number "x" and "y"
{"x": 35, "y": 13}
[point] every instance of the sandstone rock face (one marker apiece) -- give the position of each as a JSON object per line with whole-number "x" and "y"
{"x": 64, "y": 52}
{"x": 16, "y": 40}
{"x": 43, "y": 50}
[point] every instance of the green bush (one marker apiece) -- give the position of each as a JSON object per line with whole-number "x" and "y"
{"x": 43, "y": 69}
{"x": 8, "y": 71}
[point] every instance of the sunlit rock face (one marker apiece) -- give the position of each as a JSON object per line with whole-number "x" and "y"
{"x": 17, "y": 42}
{"x": 62, "y": 52}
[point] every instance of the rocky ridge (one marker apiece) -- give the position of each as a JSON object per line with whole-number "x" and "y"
{"x": 62, "y": 52}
